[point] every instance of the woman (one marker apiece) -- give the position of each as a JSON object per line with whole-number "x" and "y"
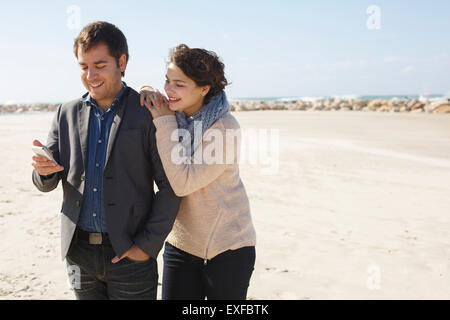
{"x": 210, "y": 251}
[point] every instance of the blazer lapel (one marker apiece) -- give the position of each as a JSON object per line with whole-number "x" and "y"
{"x": 83, "y": 122}
{"x": 115, "y": 126}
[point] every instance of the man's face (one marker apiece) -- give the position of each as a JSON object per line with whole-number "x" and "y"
{"x": 101, "y": 74}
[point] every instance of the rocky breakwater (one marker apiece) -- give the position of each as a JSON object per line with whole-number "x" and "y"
{"x": 378, "y": 105}
{"x": 19, "y": 108}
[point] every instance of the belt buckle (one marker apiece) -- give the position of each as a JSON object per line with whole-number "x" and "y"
{"x": 95, "y": 238}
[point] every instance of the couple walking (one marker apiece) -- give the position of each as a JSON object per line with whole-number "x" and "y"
{"x": 113, "y": 144}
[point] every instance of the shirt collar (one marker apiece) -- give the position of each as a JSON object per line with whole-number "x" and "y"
{"x": 91, "y": 102}
{"x": 195, "y": 116}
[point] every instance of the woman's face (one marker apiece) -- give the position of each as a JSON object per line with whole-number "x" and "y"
{"x": 183, "y": 93}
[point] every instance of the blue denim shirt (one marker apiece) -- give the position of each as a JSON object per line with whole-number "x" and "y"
{"x": 92, "y": 216}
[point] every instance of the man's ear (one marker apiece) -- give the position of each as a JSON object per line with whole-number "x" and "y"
{"x": 123, "y": 62}
{"x": 205, "y": 90}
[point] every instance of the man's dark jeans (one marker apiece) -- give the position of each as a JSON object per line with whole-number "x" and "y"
{"x": 94, "y": 277}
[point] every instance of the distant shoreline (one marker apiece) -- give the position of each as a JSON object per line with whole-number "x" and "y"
{"x": 343, "y": 97}
{"x": 418, "y": 104}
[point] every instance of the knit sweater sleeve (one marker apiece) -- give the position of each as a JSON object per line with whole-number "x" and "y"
{"x": 186, "y": 173}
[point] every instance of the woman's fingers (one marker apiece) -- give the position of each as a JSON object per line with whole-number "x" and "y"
{"x": 144, "y": 94}
{"x": 161, "y": 98}
{"x": 145, "y": 87}
{"x": 142, "y": 98}
{"x": 144, "y": 91}
{"x": 164, "y": 102}
{"x": 158, "y": 99}
{"x": 152, "y": 98}
{"x": 149, "y": 100}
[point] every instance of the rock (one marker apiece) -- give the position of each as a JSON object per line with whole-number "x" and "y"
{"x": 412, "y": 102}
{"x": 438, "y": 103}
{"x": 393, "y": 102}
{"x": 385, "y": 108}
{"x": 416, "y": 105}
{"x": 248, "y": 106}
{"x": 336, "y": 105}
{"x": 308, "y": 104}
{"x": 345, "y": 105}
{"x": 300, "y": 106}
{"x": 332, "y": 104}
{"x": 261, "y": 107}
{"x": 294, "y": 106}
{"x": 38, "y": 107}
{"x": 375, "y": 104}
{"x": 442, "y": 109}
{"x": 359, "y": 104}
{"x": 328, "y": 102}
{"x": 319, "y": 105}
{"x": 52, "y": 107}
{"x": 277, "y": 106}
{"x": 9, "y": 108}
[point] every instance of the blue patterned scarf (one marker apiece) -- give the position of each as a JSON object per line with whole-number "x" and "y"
{"x": 217, "y": 107}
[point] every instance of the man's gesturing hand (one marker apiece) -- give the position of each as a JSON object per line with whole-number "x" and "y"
{"x": 42, "y": 165}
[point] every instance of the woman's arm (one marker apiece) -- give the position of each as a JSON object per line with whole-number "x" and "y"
{"x": 188, "y": 174}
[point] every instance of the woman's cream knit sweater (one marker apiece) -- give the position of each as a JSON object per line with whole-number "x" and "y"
{"x": 214, "y": 214}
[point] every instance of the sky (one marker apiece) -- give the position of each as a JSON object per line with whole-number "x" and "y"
{"x": 273, "y": 48}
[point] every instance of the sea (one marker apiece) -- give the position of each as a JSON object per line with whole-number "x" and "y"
{"x": 428, "y": 97}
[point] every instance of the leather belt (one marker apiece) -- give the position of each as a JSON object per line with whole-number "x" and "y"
{"x": 92, "y": 237}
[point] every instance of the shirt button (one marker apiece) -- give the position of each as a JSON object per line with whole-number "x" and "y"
{"x": 95, "y": 189}
{"x": 94, "y": 214}
{"x": 97, "y": 165}
{"x": 100, "y": 141}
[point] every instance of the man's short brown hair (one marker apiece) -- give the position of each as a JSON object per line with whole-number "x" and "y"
{"x": 102, "y": 32}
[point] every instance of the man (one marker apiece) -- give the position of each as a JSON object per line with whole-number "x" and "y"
{"x": 113, "y": 225}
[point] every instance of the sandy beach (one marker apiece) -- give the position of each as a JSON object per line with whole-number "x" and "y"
{"x": 359, "y": 208}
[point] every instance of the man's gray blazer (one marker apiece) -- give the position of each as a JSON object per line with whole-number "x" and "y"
{"x": 134, "y": 214}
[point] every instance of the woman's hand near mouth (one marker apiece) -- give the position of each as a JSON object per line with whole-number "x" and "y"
{"x": 155, "y": 102}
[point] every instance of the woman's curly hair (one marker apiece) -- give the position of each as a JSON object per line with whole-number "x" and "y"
{"x": 202, "y": 66}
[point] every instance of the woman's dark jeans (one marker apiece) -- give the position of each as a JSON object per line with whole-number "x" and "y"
{"x": 225, "y": 277}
